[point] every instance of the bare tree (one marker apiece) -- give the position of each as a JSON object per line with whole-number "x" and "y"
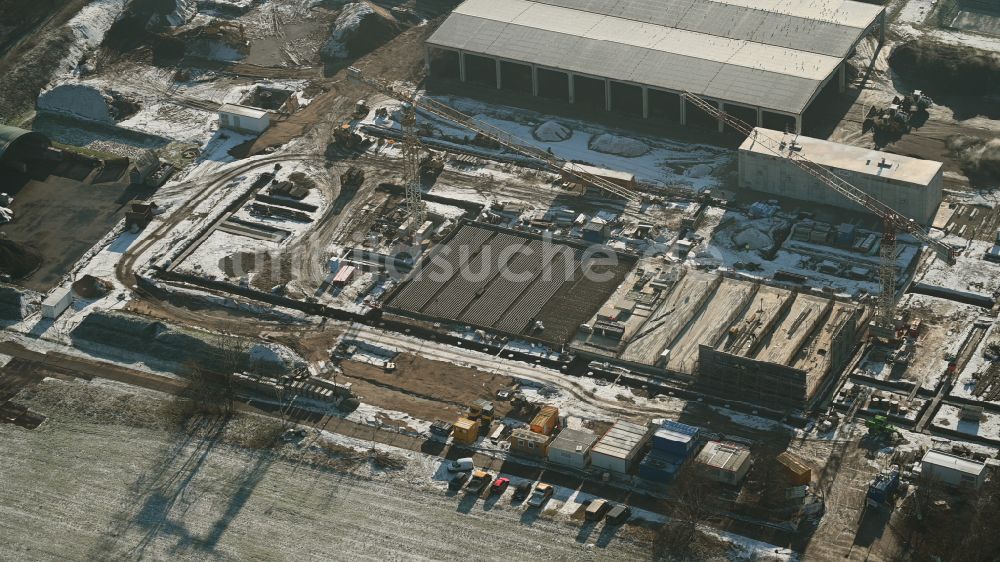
{"x": 212, "y": 385}
{"x": 693, "y": 501}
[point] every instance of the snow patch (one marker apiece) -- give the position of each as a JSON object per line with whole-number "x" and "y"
{"x": 552, "y": 131}
{"x": 619, "y": 146}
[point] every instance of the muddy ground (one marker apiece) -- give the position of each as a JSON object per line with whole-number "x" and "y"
{"x": 423, "y": 388}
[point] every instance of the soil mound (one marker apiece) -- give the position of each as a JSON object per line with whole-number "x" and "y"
{"x": 90, "y": 287}
{"x": 359, "y": 29}
{"x": 238, "y": 264}
{"x": 12, "y": 303}
{"x": 17, "y": 260}
{"x": 130, "y": 337}
{"x": 978, "y": 156}
{"x": 946, "y": 69}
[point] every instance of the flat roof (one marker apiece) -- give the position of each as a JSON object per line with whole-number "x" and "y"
{"x": 942, "y": 459}
{"x": 774, "y": 54}
{"x": 570, "y": 439}
{"x": 865, "y": 161}
{"x": 242, "y": 110}
{"x": 724, "y": 455}
{"x": 599, "y": 172}
{"x": 622, "y": 440}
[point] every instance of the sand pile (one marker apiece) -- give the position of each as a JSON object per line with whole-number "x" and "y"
{"x": 619, "y": 146}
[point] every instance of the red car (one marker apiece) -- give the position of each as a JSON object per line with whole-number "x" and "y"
{"x": 499, "y": 485}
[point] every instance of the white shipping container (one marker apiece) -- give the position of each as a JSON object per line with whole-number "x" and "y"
{"x": 57, "y": 302}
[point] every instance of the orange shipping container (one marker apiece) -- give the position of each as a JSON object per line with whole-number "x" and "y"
{"x": 546, "y": 420}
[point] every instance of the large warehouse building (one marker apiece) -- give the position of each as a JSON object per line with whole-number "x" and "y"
{"x": 764, "y": 61}
{"x": 910, "y": 186}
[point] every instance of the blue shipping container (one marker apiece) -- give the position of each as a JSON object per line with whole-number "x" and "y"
{"x": 659, "y": 466}
{"x": 675, "y": 437}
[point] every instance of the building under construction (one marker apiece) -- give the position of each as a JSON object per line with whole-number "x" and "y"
{"x": 510, "y": 282}
{"x": 910, "y": 186}
{"x": 764, "y": 62}
{"x": 736, "y": 338}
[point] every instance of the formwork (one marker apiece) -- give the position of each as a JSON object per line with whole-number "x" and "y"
{"x": 510, "y": 282}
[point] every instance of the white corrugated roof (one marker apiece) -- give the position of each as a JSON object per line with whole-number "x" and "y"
{"x": 953, "y": 462}
{"x": 773, "y": 54}
{"x": 866, "y": 161}
{"x": 242, "y": 110}
{"x": 622, "y": 440}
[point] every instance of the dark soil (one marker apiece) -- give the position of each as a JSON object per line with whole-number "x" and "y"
{"x": 18, "y": 260}
{"x": 238, "y": 264}
{"x": 939, "y": 68}
{"x": 90, "y": 287}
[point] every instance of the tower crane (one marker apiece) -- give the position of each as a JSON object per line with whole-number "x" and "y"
{"x": 411, "y": 143}
{"x": 892, "y": 221}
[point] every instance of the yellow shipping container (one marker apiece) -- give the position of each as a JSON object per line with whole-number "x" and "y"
{"x": 466, "y": 431}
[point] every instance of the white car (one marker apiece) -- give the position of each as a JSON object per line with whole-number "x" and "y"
{"x": 461, "y": 465}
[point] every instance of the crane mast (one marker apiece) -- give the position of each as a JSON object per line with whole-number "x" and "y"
{"x": 411, "y": 165}
{"x": 501, "y": 137}
{"x": 892, "y": 221}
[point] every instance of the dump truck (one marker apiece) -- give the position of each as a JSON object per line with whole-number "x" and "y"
{"x": 480, "y": 479}
{"x": 882, "y": 489}
{"x": 344, "y": 136}
{"x": 481, "y": 410}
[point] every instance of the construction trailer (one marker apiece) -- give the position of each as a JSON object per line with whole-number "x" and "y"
{"x": 910, "y": 186}
{"x": 617, "y": 450}
{"x": 57, "y": 302}
{"x": 675, "y": 438}
{"x": 243, "y": 119}
{"x": 571, "y": 171}
{"x": 527, "y": 443}
{"x": 725, "y": 461}
{"x": 796, "y": 470}
{"x": 546, "y": 420}
{"x": 765, "y": 63}
{"x": 572, "y": 448}
{"x": 465, "y": 431}
{"x": 660, "y": 466}
{"x": 953, "y": 470}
